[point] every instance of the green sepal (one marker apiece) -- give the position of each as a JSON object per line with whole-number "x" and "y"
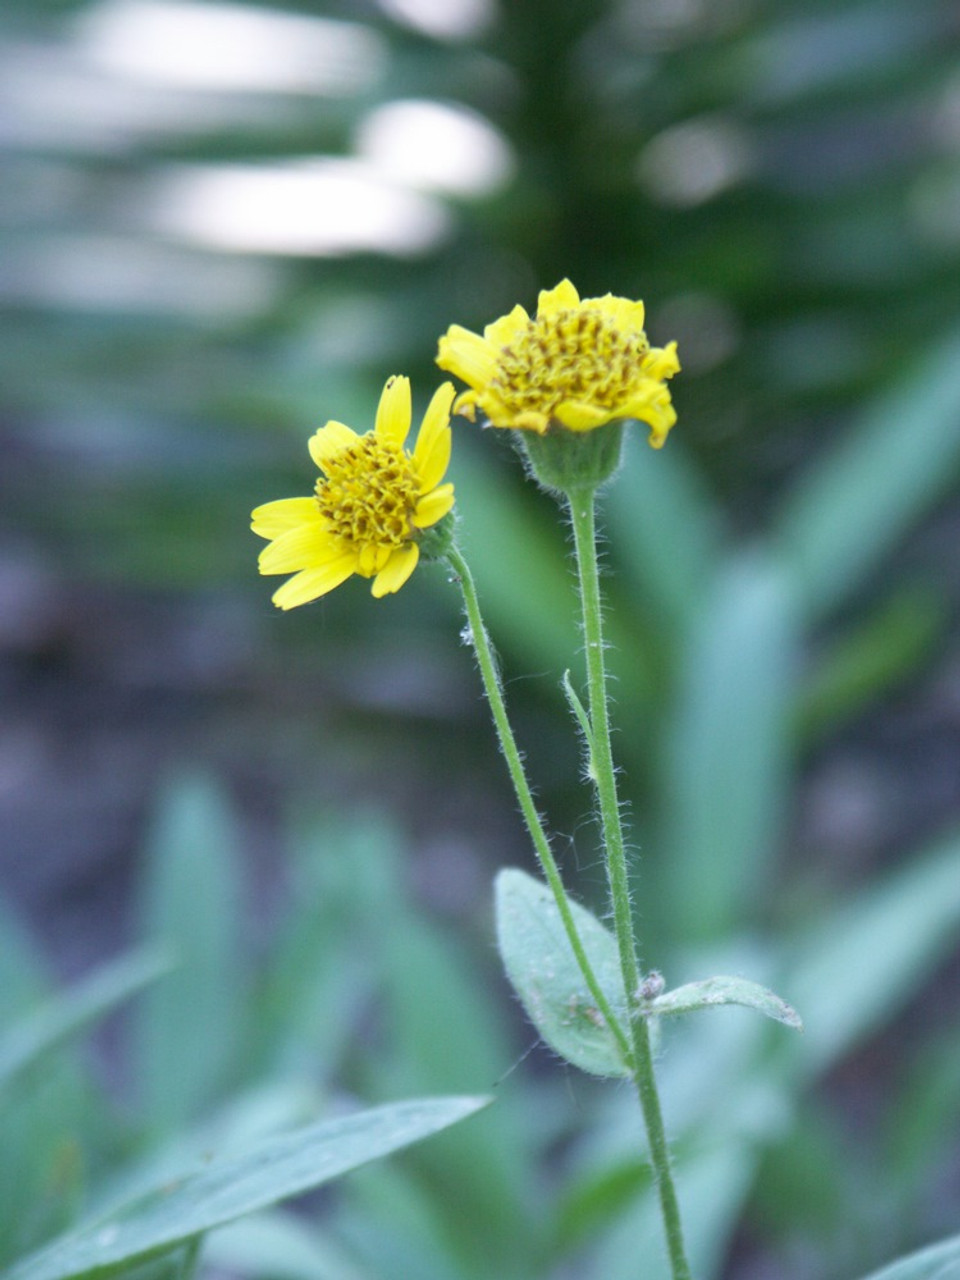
{"x": 564, "y": 461}
{"x": 724, "y": 990}
{"x": 435, "y": 542}
{"x": 545, "y": 975}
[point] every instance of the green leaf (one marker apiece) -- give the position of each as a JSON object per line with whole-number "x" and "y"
{"x": 723, "y": 990}
{"x": 865, "y": 959}
{"x": 23, "y": 976}
{"x": 64, "y": 1015}
{"x": 531, "y": 612}
{"x": 729, "y": 751}
{"x": 712, "y": 1185}
{"x": 855, "y": 505}
{"x": 887, "y": 647}
{"x": 190, "y": 1023}
{"x": 544, "y": 972}
{"x": 938, "y": 1262}
{"x": 281, "y": 1246}
{"x": 664, "y": 530}
{"x": 429, "y": 981}
{"x": 227, "y": 1189}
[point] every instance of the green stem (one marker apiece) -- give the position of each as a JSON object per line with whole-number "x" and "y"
{"x": 582, "y": 504}
{"x": 491, "y": 684}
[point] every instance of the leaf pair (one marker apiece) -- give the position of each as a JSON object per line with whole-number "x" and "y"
{"x": 544, "y": 973}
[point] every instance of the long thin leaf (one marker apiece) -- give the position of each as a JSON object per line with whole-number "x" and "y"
{"x": 938, "y": 1262}
{"x": 74, "y": 1010}
{"x": 230, "y": 1188}
{"x": 281, "y": 1246}
{"x": 728, "y": 754}
{"x": 855, "y": 504}
{"x": 664, "y": 532}
{"x": 864, "y": 960}
{"x": 190, "y": 1023}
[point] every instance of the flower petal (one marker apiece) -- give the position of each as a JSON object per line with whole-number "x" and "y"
{"x": 432, "y": 453}
{"x": 394, "y": 411}
{"x": 491, "y": 406}
{"x": 579, "y": 415}
{"x": 310, "y": 584}
{"x": 654, "y": 407}
{"x": 561, "y": 297}
{"x": 467, "y": 356}
{"x": 372, "y": 557}
{"x": 662, "y": 362}
{"x": 433, "y": 507}
{"x": 527, "y": 420}
{"x": 304, "y": 547}
{"x": 502, "y": 332}
{"x": 396, "y": 571}
{"x": 626, "y": 315}
{"x": 273, "y": 518}
{"x": 465, "y": 405}
{"x": 331, "y": 440}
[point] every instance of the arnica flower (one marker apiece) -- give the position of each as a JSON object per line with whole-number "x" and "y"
{"x": 370, "y": 506}
{"x": 577, "y": 364}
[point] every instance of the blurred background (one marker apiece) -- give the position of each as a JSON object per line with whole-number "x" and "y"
{"x": 222, "y": 224}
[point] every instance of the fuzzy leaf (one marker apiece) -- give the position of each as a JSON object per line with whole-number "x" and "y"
{"x": 724, "y": 990}
{"x": 545, "y": 975}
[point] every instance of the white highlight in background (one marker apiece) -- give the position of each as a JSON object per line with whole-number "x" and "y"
{"x": 310, "y": 207}
{"x": 436, "y": 146}
{"x": 229, "y": 47}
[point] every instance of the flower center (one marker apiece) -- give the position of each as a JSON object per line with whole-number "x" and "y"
{"x": 574, "y": 354}
{"x": 369, "y": 493}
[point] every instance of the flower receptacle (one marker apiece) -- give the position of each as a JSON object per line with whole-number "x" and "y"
{"x": 562, "y": 461}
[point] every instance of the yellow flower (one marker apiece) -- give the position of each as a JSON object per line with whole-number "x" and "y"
{"x": 576, "y": 364}
{"x": 369, "y": 507}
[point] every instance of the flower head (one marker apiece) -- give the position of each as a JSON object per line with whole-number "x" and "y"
{"x": 577, "y": 364}
{"x": 370, "y": 506}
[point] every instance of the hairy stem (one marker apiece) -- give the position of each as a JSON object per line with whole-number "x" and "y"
{"x": 491, "y": 685}
{"x": 582, "y": 504}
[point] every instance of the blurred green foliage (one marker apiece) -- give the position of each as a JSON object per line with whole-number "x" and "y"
{"x": 363, "y": 993}
{"x": 781, "y": 183}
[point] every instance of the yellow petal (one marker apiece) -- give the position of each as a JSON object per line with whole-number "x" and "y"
{"x": 273, "y": 518}
{"x": 578, "y": 415}
{"x": 433, "y": 507}
{"x": 628, "y": 316}
{"x": 330, "y": 440}
{"x": 562, "y": 297}
{"x": 465, "y": 405}
{"x": 467, "y": 356}
{"x": 502, "y": 332}
{"x": 371, "y": 559}
{"x": 432, "y": 453}
{"x": 527, "y": 420}
{"x": 652, "y": 405}
{"x": 662, "y": 362}
{"x": 396, "y": 571}
{"x": 491, "y": 406}
{"x": 301, "y": 548}
{"x": 313, "y": 583}
{"x": 394, "y": 411}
